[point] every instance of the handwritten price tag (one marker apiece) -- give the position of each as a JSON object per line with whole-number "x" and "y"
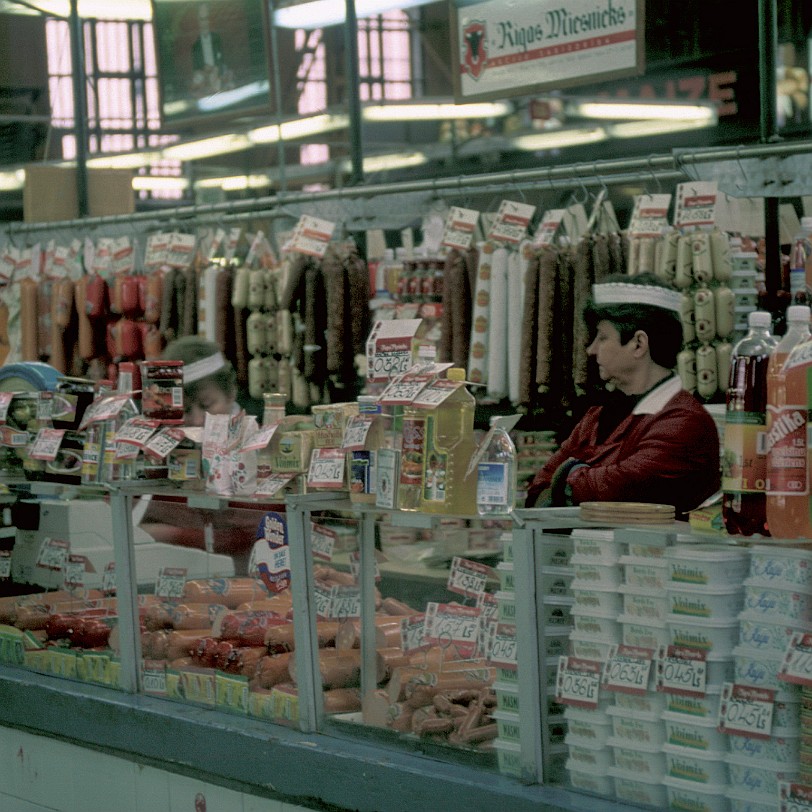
{"x": 323, "y": 599}
{"x": 627, "y": 669}
{"x": 52, "y": 554}
{"x": 795, "y": 797}
{"x": 170, "y": 583}
{"x": 412, "y": 633}
{"x": 467, "y": 578}
{"x": 696, "y": 204}
{"x": 327, "y": 468}
{"x": 578, "y": 682}
{"x": 312, "y": 236}
{"x": 746, "y": 711}
{"x": 46, "y": 444}
{"x": 345, "y": 602}
{"x": 109, "y": 579}
{"x": 273, "y": 483}
{"x": 137, "y": 430}
{"x": 503, "y": 649}
{"x": 323, "y": 541}
{"x": 355, "y": 566}
{"x": 650, "y": 215}
{"x": 164, "y": 442}
{"x": 5, "y": 402}
{"x": 488, "y": 606}
{"x": 797, "y": 664}
{"x": 460, "y": 225}
{"x": 435, "y": 394}
{"x": 681, "y": 671}
{"x": 356, "y": 431}
{"x": 547, "y": 229}
{"x": 261, "y": 439}
{"x": 512, "y": 220}
{"x": 451, "y": 624}
{"x": 153, "y": 677}
{"x": 74, "y": 572}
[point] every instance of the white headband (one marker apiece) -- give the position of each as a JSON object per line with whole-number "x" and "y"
{"x": 203, "y": 368}
{"x": 609, "y": 293}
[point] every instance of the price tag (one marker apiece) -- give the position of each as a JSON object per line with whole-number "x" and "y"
{"x": 102, "y": 409}
{"x": 13, "y": 439}
{"x": 627, "y": 669}
{"x": 312, "y": 236}
{"x": 460, "y": 225}
{"x": 452, "y": 624}
{"x": 74, "y": 571}
{"x": 681, "y": 670}
{"x": 796, "y": 666}
{"x": 746, "y": 711}
{"x": 435, "y": 394}
{"x": 696, "y": 204}
{"x": 548, "y": 227}
{"x": 5, "y": 402}
{"x": 261, "y": 439}
{"x": 488, "y": 606}
{"x": 413, "y": 633}
{"x": 136, "y": 431}
{"x": 165, "y": 441}
{"x": 512, "y": 220}
{"x": 170, "y": 583}
{"x": 153, "y": 677}
{"x": 323, "y": 541}
{"x": 327, "y": 468}
{"x": 355, "y": 566}
{"x": 5, "y": 564}
{"x": 109, "y": 579}
{"x": 502, "y": 648}
{"x": 52, "y": 554}
{"x": 650, "y": 215}
{"x": 345, "y": 601}
{"x": 578, "y": 682}
{"x": 46, "y": 444}
{"x": 356, "y": 431}
{"x": 795, "y": 797}
{"x": 45, "y": 403}
{"x": 404, "y": 388}
{"x": 273, "y": 483}
{"x": 323, "y": 598}
{"x": 467, "y": 578}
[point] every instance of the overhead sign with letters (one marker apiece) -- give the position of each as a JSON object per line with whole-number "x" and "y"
{"x": 508, "y": 49}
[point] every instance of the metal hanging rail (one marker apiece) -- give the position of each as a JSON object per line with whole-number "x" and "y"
{"x": 660, "y": 168}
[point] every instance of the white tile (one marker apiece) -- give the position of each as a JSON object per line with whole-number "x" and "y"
{"x": 253, "y": 804}
{"x": 103, "y": 782}
{"x": 9, "y": 804}
{"x": 42, "y": 772}
{"x": 294, "y": 808}
{"x": 193, "y": 795}
{"x": 151, "y": 789}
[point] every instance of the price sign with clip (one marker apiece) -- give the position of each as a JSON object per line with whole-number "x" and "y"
{"x": 796, "y": 666}
{"x": 681, "y": 670}
{"x": 52, "y": 554}
{"x": 696, "y": 204}
{"x": 627, "y": 669}
{"x": 512, "y": 220}
{"x": 413, "y": 633}
{"x": 450, "y": 625}
{"x": 746, "y": 711}
{"x": 345, "y": 601}
{"x": 459, "y": 228}
{"x": 323, "y": 599}
{"x": 322, "y": 540}
{"x": 578, "y": 682}
{"x": 503, "y": 649}
{"x": 171, "y": 582}
{"x": 327, "y": 468}
{"x": 46, "y": 444}
{"x": 74, "y": 571}
{"x": 467, "y": 578}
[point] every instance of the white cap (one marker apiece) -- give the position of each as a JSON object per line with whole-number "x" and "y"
{"x": 759, "y": 318}
{"x": 798, "y": 313}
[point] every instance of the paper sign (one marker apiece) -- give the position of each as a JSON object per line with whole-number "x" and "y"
{"x": 488, "y": 606}
{"x": 413, "y": 633}
{"x": 170, "y": 583}
{"x": 345, "y": 601}
{"x": 355, "y": 566}
{"x": 460, "y": 225}
{"x": 696, "y": 203}
{"x": 46, "y": 444}
{"x": 548, "y": 227}
{"x": 136, "y": 431}
{"x": 794, "y": 797}
{"x": 260, "y": 440}
{"x": 161, "y": 444}
{"x": 74, "y": 571}
{"x": 323, "y": 599}
{"x": 322, "y": 540}
{"x": 511, "y": 222}
{"x": 797, "y": 664}
{"x": 627, "y": 669}
{"x": 327, "y": 468}
{"x": 356, "y": 431}
{"x": 312, "y": 236}
{"x": 436, "y": 393}
{"x": 273, "y": 483}
{"x": 746, "y": 711}
{"x": 467, "y": 578}
{"x": 578, "y": 682}
{"x": 5, "y": 402}
{"x": 681, "y": 670}
{"x": 453, "y": 625}
{"x": 650, "y": 215}
{"x": 389, "y": 348}
{"x": 503, "y": 649}
{"x": 52, "y": 555}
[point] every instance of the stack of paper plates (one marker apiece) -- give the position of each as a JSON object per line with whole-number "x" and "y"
{"x": 627, "y": 512}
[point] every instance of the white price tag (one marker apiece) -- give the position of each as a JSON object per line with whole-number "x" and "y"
{"x": 312, "y": 236}
{"x": 467, "y": 578}
{"x": 261, "y": 439}
{"x": 548, "y": 227}
{"x": 453, "y": 625}
{"x": 794, "y": 797}
{"x": 746, "y": 711}
{"x": 650, "y": 215}
{"x": 578, "y": 682}
{"x": 52, "y": 555}
{"x": 74, "y": 572}
{"x": 355, "y": 566}
{"x": 681, "y": 670}
{"x": 323, "y": 598}
{"x": 627, "y": 669}
{"x": 488, "y": 606}
{"x": 5, "y": 402}
{"x": 502, "y": 648}
{"x": 153, "y": 677}
{"x": 5, "y": 564}
{"x": 435, "y": 394}
{"x": 273, "y": 483}
{"x": 696, "y": 204}
{"x": 137, "y": 430}
{"x": 413, "y": 633}
{"x": 109, "y": 579}
{"x": 164, "y": 442}
{"x": 797, "y": 664}
{"x": 170, "y": 583}
{"x": 356, "y": 431}
{"x": 105, "y": 408}
{"x": 45, "y": 404}
{"x": 460, "y": 225}
{"x": 323, "y": 541}
{"x": 511, "y": 222}
{"x": 46, "y": 444}
{"x": 345, "y": 601}
{"x": 327, "y": 468}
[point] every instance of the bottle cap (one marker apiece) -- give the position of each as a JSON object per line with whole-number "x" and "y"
{"x": 798, "y": 313}
{"x": 455, "y": 374}
{"x": 759, "y": 318}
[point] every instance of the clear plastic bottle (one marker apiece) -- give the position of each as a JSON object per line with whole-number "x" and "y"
{"x": 112, "y": 470}
{"x": 786, "y": 408}
{"x": 92, "y": 448}
{"x": 744, "y": 461}
{"x": 496, "y": 474}
{"x": 273, "y": 407}
{"x": 412, "y": 451}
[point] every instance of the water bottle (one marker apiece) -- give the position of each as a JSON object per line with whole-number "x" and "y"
{"x": 496, "y": 473}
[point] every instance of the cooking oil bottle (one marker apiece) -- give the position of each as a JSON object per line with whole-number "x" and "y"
{"x": 449, "y": 446}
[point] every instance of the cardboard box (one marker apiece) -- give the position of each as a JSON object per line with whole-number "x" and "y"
{"x": 50, "y": 193}
{"x": 330, "y": 420}
{"x": 291, "y": 452}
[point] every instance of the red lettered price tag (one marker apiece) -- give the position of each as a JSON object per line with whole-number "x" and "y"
{"x": 746, "y": 711}
{"x": 450, "y": 624}
{"x": 170, "y": 583}
{"x": 412, "y": 633}
{"x": 503, "y": 649}
{"x": 46, "y": 444}
{"x": 795, "y": 797}
{"x": 627, "y": 669}
{"x": 797, "y": 664}
{"x": 273, "y": 483}
{"x": 696, "y": 204}
{"x": 681, "y": 670}
{"x": 578, "y": 682}
{"x": 467, "y": 578}
{"x": 488, "y": 606}
{"x": 165, "y": 441}
{"x": 323, "y": 598}
{"x": 345, "y": 601}
{"x": 512, "y": 220}
{"x": 53, "y": 553}
{"x": 153, "y": 677}
{"x": 548, "y": 227}
{"x": 459, "y": 228}
{"x": 356, "y": 431}
{"x": 327, "y": 468}
{"x": 261, "y": 439}
{"x": 74, "y": 571}
{"x": 136, "y": 431}
{"x": 323, "y": 541}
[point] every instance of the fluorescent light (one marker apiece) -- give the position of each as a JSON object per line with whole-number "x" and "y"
{"x": 641, "y": 110}
{"x": 12, "y": 180}
{"x": 299, "y": 128}
{"x": 434, "y": 111}
{"x": 206, "y": 147}
{"x": 555, "y": 139}
{"x": 322, "y": 13}
{"x": 90, "y": 9}
{"x": 234, "y": 183}
{"x": 639, "y": 129}
{"x": 153, "y": 183}
{"x": 228, "y": 98}
{"x": 395, "y": 160}
{"x": 124, "y": 160}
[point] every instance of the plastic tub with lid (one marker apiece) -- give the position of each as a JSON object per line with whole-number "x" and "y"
{"x": 699, "y": 766}
{"x": 718, "y": 602}
{"x": 507, "y": 725}
{"x": 643, "y": 632}
{"x": 586, "y": 755}
{"x": 687, "y": 796}
{"x": 695, "y": 707}
{"x": 596, "y": 545}
{"x": 637, "y": 729}
{"x": 694, "y": 734}
{"x": 640, "y": 549}
{"x": 741, "y": 800}
{"x": 597, "y": 624}
{"x": 782, "y": 748}
{"x": 706, "y": 634}
{"x": 706, "y": 564}
{"x": 508, "y": 757}
{"x": 775, "y": 603}
{"x": 760, "y": 669}
{"x": 588, "y": 647}
{"x": 649, "y": 702}
{"x": 633, "y": 788}
{"x": 646, "y": 761}
{"x": 554, "y": 551}
{"x": 648, "y": 572}
{"x": 644, "y": 602}
{"x": 784, "y": 566}
{"x": 758, "y": 632}
{"x": 507, "y": 696}
{"x": 591, "y": 572}
{"x": 595, "y": 598}
{"x": 595, "y": 782}
{"x": 591, "y": 727}
{"x": 758, "y": 777}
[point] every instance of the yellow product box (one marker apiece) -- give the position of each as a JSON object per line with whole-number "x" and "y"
{"x": 198, "y": 685}
{"x": 231, "y": 692}
{"x": 174, "y": 685}
{"x": 185, "y": 465}
{"x": 37, "y": 660}
{"x": 260, "y": 705}
{"x": 93, "y": 666}
{"x": 291, "y": 452}
{"x": 285, "y": 702}
{"x": 62, "y": 662}
{"x": 15, "y": 645}
{"x": 330, "y": 421}
{"x": 707, "y": 519}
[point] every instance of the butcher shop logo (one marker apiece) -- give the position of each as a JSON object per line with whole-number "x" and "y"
{"x": 475, "y": 59}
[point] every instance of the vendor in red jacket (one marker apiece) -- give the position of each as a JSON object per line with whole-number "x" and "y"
{"x": 651, "y": 441}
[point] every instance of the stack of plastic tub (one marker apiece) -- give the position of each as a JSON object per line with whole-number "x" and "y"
{"x": 704, "y": 595}
{"x": 777, "y": 603}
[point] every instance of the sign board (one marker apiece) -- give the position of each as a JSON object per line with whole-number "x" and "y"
{"x": 511, "y": 49}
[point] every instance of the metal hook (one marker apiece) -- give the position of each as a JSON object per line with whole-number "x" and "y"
{"x": 654, "y": 175}
{"x": 517, "y": 187}
{"x": 575, "y": 198}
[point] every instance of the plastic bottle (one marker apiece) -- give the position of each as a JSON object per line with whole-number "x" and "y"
{"x": 744, "y": 463}
{"x": 496, "y": 474}
{"x": 412, "y": 450}
{"x": 111, "y": 469}
{"x": 273, "y": 407}
{"x": 92, "y": 448}
{"x": 799, "y": 258}
{"x": 449, "y": 447}
{"x": 787, "y": 482}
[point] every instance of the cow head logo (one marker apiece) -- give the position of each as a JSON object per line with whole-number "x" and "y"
{"x": 475, "y": 57}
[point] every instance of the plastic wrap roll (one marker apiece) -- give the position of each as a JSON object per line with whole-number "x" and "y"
{"x": 480, "y": 325}
{"x": 497, "y": 346}
{"x": 517, "y": 268}
{"x": 209, "y": 306}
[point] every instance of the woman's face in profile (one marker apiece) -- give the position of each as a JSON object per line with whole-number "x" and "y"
{"x": 209, "y": 398}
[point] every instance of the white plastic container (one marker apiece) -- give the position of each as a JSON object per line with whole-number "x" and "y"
{"x": 760, "y": 669}
{"x": 774, "y": 603}
{"x": 686, "y": 796}
{"x": 604, "y": 626}
{"x": 554, "y": 551}
{"x": 637, "y": 729}
{"x": 787, "y": 567}
{"x": 556, "y": 612}
{"x": 643, "y": 761}
{"x": 639, "y": 549}
{"x": 647, "y": 572}
{"x": 779, "y": 748}
{"x": 642, "y": 632}
{"x": 593, "y": 782}
{"x": 588, "y": 647}
{"x": 588, "y": 755}
{"x": 509, "y": 757}
{"x": 591, "y": 727}
{"x": 694, "y": 734}
{"x": 556, "y": 642}
{"x": 765, "y": 635}
{"x": 596, "y": 545}
{"x": 589, "y": 571}
{"x": 706, "y": 564}
{"x": 505, "y": 571}
{"x": 717, "y": 636}
{"x": 759, "y": 778}
{"x": 741, "y": 800}
{"x": 557, "y": 581}
{"x": 701, "y": 767}
{"x": 708, "y": 602}
{"x": 651, "y": 702}
{"x": 507, "y": 725}
{"x": 644, "y": 602}
{"x": 695, "y": 707}
{"x": 592, "y": 598}
{"x": 507, "y": 696}
{"x": 506, "y": 606}
{"x": 633, "y": 788}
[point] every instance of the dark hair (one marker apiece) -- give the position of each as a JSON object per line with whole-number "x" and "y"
{"x": 663, "y": 327}
{"x": 194, "y": 348}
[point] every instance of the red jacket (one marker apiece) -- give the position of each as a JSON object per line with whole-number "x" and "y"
{"x": 666, "y": 451}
